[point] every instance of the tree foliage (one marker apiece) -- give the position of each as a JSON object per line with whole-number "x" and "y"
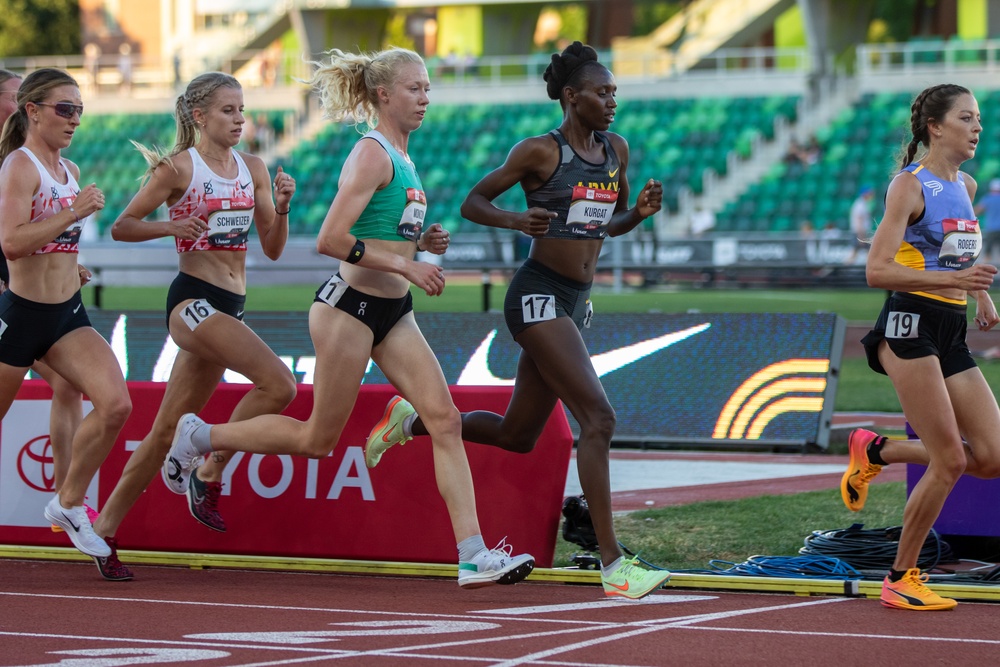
{"x": 39, "y": 28}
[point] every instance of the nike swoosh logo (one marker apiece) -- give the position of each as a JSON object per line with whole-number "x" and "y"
{"x": 77, "y": 308}
{"x": 850, "y": 488}
{"x": 621, "y": 588}
{"x": 612, "y": 174}
{"x": 239, "y": 314}
{"x": 242, "y": 186}
{"x": 197, "y": 499}
{"x": 75, "y": 527}
{"x": 477, "y": 370}
{"x": 176, "y": 474}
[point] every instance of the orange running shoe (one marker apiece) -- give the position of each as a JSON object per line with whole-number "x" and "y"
{"x": 860, "y": 472}
{"x": 911, "y": 593}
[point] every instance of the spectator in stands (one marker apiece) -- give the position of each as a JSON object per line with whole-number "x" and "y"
{"x": 989, "y": 208}
{"x": 264, "y": 132}
{"x": 829, "y": 231}
{"x": 861, "y": 222}
{"x": 548, "y": 300}
{"x": 794, "y": 155}
{"x": 66, "y": 411}
{"x": 807, "y": 230}
{"x": 214, "y": 195}
{"x": 42, "y": 212}
{"x": 92, "y": 63}
{"x": 365, "y": 310}
{"x": 125, "y": 67}
{"x": 811, "y": 152}
{"x": 925, "y": 250}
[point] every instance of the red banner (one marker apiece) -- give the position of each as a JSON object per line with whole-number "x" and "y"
{"x": 297, "y": 507}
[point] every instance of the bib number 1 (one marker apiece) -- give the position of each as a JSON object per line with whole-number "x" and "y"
{"x": 902, "y": 325}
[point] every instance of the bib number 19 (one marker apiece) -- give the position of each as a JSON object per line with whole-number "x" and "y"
{"x": 902, "y": 325}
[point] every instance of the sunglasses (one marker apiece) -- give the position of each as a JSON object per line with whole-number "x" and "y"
{"x": 64, "y": 109}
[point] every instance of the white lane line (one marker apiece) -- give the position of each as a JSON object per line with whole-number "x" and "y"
{"x": 600, "y": 604}
{"x": 174, "y": 642}
{"x": 656, "y": 627}
{"x": 848, "y": 635}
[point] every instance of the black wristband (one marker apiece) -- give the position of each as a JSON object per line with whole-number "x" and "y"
{"x": 285, "y": 212}
{"x": 357, "y": 252}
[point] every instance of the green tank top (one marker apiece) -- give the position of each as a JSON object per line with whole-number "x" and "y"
{"x": 397, "y": 210}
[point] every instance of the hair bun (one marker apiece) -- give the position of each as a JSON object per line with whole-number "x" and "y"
{"x": 559, "y": 71}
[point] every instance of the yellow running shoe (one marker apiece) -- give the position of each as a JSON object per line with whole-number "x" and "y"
{"x": 389, "y": 430}
{"x": 854, "y": 483}
{"x": 911, "y": 593}
{"x": 631, "y": 581}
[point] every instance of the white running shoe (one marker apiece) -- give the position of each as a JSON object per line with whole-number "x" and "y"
{"x": 495, "y": 566}
{"x": 182, "y": 458}
{"x": 77, "y": 526}
{"x": 389, "y": 430}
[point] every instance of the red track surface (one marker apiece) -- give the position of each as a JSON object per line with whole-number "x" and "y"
{"x": 52, "y": 612}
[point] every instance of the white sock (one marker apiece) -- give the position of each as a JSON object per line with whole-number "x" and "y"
{"x": 469, "y": 547}
{"x": 408, "y": 425}
{"x": 201, "y": 438}
{"x": 607, "y": 570}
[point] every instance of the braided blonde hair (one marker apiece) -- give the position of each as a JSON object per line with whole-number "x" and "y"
{"x": 197, "y": 95}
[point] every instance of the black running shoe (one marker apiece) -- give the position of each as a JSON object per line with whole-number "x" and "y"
{"x": 110, "y": 567}
{"x": 203, "y": 501}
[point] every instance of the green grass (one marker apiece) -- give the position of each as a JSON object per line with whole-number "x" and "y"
{"x": 689, "y": 536}
{"x": 852, "y": 305}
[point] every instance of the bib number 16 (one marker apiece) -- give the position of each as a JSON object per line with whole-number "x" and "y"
{"x": 196, "y": 312}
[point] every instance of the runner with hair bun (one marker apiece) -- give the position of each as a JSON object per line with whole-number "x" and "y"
{"x": 574, "y": 180}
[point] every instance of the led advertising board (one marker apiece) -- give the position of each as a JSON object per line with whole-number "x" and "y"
{"x": 695, "y": 378}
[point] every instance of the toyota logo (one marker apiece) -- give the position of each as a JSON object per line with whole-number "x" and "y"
{"x": 36, "y": 465}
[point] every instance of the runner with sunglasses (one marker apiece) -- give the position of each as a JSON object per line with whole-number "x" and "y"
{"x": 42, "y": 212}
{"x": 66, "y": 411}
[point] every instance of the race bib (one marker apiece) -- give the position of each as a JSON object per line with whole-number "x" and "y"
{"x": 590, "y": 211}
{"x": 961, "y": 244}
{"x": 196, "y": 312}
{"x": 589, "y": 315}
{"x": 902, "y": 325}
{"x": 229, "y": 222}
{"x": 70, "y": 236}
{"x": 538, "y": 307}
{"x": 412, "y": 219}
{"x": 332, "y": 290}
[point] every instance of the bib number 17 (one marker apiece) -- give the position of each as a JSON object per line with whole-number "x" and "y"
{"x": 538, "y": 307}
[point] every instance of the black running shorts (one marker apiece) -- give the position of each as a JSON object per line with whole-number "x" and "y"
{"x": 28, "y": 329}
{"x": 537, "y": 293}
{"x": 186, "y": 287}
{"x": 379, "y": 314}
{"x": 916, "y": 326}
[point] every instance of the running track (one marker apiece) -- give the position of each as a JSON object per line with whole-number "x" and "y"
{"x": 56, "y": 613}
